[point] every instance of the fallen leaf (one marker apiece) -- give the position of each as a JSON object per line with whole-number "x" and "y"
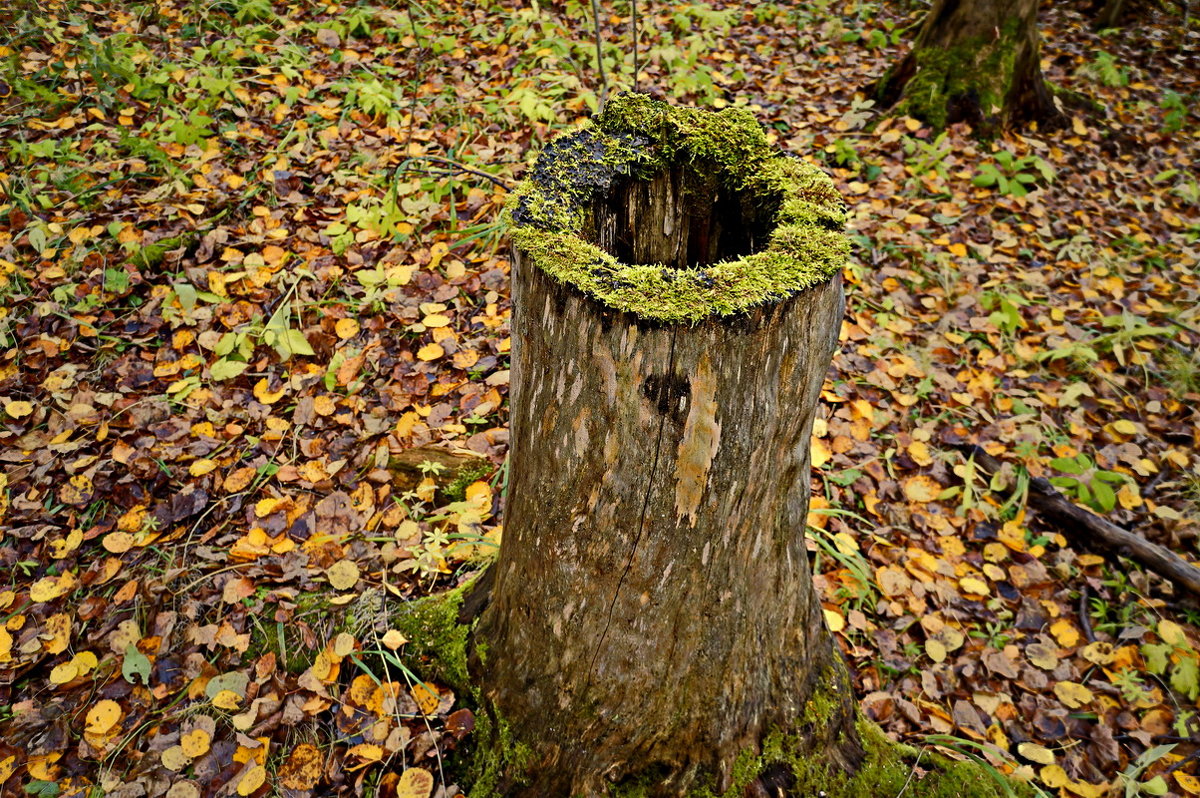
{"x": 1072, "y": 694}
{"x": 921, "y": 488}
{"x": 103, "y": 716}
{"x": 342, "y": 575}
{"x": 302, "y": 769}
{"x": 251, "y": 780}
{"x": 195, "y": 743}
{"x": 415, "y": 783}
{"x": 430, "y": 352}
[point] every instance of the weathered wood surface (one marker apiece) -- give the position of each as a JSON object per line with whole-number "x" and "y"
{"x": 653, "y": 613}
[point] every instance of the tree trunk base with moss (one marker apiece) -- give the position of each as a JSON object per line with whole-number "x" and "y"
{"x": 443, "y": 642}
{"x": 975, "y": 62}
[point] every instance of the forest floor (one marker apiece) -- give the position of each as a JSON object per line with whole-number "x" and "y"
{"x": 244, "y": 269}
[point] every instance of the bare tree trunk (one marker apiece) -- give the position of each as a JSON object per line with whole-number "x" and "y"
{"x": 1109, "y": 15}
{"x": 974, "y": 61}
{"x": 653, "y": 620}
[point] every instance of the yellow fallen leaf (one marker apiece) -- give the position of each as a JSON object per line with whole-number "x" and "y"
{"x": 264, "y": 394}
{"x": 835, "y": 621}
{"x": 302, "y": 770}
{"x": 18, "y": 409}
{"x": 86, "y": 661}
{"x": 430, "y": 352}
{"x": 251, "y": 780}
{"x": 1187, "y": 782}
{"x": 174, "y": 759}
{"x": 1122, "y": 426}
{"x": 1072, "y": 694}
{"x": 264, "y": 507}
{"x": 426, "y": 696}
{"x": 366, "y": 751}
{"x": 201, "y": 467}
{"x": 239, "y": 479}
{"x": 921, "y": 488}
{"x": 1053, "y": 776}
{"x": 227, "y": 699}
{"x": 435, "y": 320}
{"x": 1171, "y": 632}
{"x": 346, "y": 328}
{"x": 414, "y": 783}
{"x": 118, "y": 542}
{"x": 819, "y": 452}
{"x": 1065, "y": 633}
{"x": 919, "y": 452}
{"x": 1035, "y": 753}
{"x": 936, "y": 649}
{"x": 195, "y": 743}
{"x": 63, "y": 673}
{"x": 47, "y": 589}
{"x": 393, "y": 639}
{"x": 958, "y": 250}
{"x": 976, "y": 586}
{"x": 343, "y": 574}
{"x": 103, "y": 716}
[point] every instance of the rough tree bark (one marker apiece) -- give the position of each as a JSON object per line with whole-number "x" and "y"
{"x": 653, "y": 628}
{"x": 974, "y": 61}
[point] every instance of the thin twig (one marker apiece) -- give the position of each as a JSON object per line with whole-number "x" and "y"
{"x": 460, "y": 168}
{"x": 634, "y": 19}
{"x": 1084, "y": 620}
{"x": 599, "y": 54}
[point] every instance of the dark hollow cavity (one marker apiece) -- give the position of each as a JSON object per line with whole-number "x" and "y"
{"x": 681, "y": 218}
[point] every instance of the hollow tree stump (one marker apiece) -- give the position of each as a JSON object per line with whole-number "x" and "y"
{"x": 677, "y": 298}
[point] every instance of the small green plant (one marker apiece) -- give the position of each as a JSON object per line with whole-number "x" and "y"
{"x": 1005, "y": 310}
{"x": 1175, "y": 108}
{"x": 923, "y": 157}
{"x": 376, "y": 99}
{"x": 1175, "y": 654}
{"x": 1087, "y": 483}
{"x": 428, "y": 467}
{"x": 1104, "y": 69}
{"x": 858, "y": 586}
{"x": 1014, "y": 176}
{"x": 1131, "y": 775}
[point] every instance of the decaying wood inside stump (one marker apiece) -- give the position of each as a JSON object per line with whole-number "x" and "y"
{"x": 653, "y": 614}
{"x": 679, "y": 221}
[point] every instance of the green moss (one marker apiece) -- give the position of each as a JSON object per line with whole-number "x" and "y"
{"x": 974, "y": 76}
{"x": 502, "y": 758}
{"x": 456, "y": 489}
{"x": 152, "y": 255}
{"x": 286, "y": 640}
{"x": 437, "y": 642}
{"x": 636, "y": 137}
{"x": 888, "y": 768}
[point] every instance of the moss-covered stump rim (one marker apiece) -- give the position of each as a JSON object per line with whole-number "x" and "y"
{"x": 636, "y": 136}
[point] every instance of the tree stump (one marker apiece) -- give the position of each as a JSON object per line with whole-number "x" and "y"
{"x": 653, "y": 625}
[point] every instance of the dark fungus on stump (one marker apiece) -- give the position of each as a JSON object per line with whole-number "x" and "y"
{"x": 653, "y": 628}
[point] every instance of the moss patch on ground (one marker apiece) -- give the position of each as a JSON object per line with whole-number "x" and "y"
{"x": 636, "y": 137}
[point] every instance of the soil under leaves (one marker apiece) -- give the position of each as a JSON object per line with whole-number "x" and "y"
{"x": 250, "y": 257}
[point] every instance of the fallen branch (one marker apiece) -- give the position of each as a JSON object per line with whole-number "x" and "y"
{"x": 1092, "y": 531}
